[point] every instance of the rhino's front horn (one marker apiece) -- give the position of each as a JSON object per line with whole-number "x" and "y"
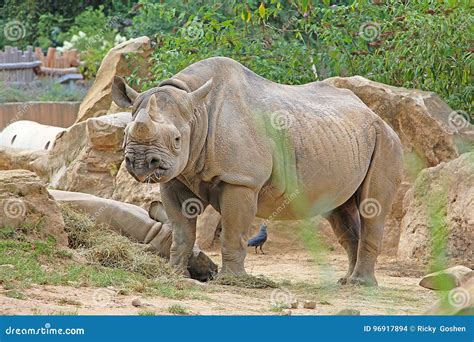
{"x": 143, "y": 127}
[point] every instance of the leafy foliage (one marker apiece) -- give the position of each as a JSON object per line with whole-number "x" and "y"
{"x": 299, "y": 42}
{"x": 423, "y": 44}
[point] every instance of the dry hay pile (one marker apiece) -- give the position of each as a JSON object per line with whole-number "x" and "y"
{"x": 103, "y": 246}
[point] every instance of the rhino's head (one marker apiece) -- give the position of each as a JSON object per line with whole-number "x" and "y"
{"x": 157, "y": 141}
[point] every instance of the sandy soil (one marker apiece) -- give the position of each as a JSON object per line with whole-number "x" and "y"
{"x": 307, "y": 279}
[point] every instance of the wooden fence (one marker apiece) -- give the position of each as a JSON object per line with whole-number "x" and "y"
{"x": 54, "y": 63}
{"x": 18, "y": 66}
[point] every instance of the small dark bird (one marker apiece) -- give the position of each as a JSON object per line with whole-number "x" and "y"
{"x": 259, "y": 239}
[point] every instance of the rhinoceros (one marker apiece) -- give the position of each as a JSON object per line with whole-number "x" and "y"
{"x": 218, "y": 134}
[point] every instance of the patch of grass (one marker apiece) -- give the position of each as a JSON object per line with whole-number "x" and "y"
{"x": 112, "y": 260}
{"x": 278, "y": 308}
{"x": 177, "y": 309}
{"x": 146, "y": 312}
{"x": 41, "y": 90}
{"x": 247, "y": 281}
{"x": 64, "y": 254}
{"x": 67, "y": 301}
{"x": 15, "y": 294}
{"x": 7, "y": 233}
{"x": 27, "y": 259}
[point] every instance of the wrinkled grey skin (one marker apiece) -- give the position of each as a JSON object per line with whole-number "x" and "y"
{"x": 213, "y": 133}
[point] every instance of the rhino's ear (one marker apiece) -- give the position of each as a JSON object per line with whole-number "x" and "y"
{"x": 200, "y": 94}
{"x": 122, "y": 94}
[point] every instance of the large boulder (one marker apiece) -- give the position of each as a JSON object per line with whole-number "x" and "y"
{"x": 26, "y": 205}
{"x": 87, "y": 157}
{"x": 130, "y": 56}
{"x": 13, "y": 159}
{"x": 447, "y": 279}
{"x": 426, "y": 125}
{"x": 430, "y": 132}
{"x": 439, "y": 213}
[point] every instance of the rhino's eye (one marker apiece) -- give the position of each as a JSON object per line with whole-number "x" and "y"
{"x": 177, "y": 142}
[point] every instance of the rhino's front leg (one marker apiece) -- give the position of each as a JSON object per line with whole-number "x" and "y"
{"x": 182, "y": 208}
{"x": 238, "y": 206}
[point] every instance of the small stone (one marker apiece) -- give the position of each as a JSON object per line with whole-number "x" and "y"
{"x": 285, "y": 312}
{"x": 447, "y": 279}
{"x": 309, "y": 304}
{"x": 348, "y": 312}
{"x": 137, "y": 302}
{"x": 294, "y": 304}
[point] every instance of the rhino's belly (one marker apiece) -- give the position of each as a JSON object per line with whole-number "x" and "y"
{"x": 305, "y": 202}
{"x": 325, "y": 169}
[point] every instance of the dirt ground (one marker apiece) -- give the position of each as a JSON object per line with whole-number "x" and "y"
{"x": 300, "y": 276}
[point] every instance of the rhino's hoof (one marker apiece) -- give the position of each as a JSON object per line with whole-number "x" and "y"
{"x": 364, "y": 281}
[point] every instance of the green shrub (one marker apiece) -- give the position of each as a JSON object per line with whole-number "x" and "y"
{"x": 423, "y": 44}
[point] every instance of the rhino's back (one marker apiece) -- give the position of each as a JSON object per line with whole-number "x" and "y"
{"x": 322, "y": 151}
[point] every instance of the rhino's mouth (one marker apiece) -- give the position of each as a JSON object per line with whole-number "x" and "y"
{"x": 155, "y": 176}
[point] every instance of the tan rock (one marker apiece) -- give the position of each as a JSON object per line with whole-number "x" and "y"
{"x": 309, "y": 304}
{"x": 206, "y": 227}
{"x": 348, "y": 312}
{"x": 25, "y": 204}
{"x": 137, "y": 302}
{"x": 430, "y": 132}
{"x": 13, "y": 159}
{"x": 132, "y": 55}
{"x": 458, "y": 301}
{"x": 439, "y": 211}
{"x": 87, "y": 157}
{"x": 447, "y": 279}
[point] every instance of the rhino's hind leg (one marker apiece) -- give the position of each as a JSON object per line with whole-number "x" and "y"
{"x": 375, "y": 198}
{"x": 345, "y": 222}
